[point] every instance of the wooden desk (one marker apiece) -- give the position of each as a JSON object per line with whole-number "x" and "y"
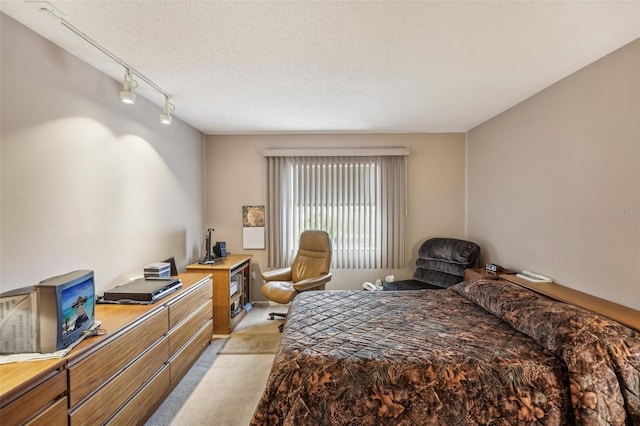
{"x": 228, "y": 306}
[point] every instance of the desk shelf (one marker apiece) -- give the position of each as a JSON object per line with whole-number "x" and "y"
{"x": 233, "y": 267}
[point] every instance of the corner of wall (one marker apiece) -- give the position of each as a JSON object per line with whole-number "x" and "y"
{"x": 466, "y": 185}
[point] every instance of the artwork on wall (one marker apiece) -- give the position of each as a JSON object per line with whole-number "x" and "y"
{"x": 253, "y": 227}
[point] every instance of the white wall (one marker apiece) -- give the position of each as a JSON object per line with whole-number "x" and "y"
{"x": 554, "y": 183}
{"x": 88, "y": 182}
{"x": 236, "y": 175}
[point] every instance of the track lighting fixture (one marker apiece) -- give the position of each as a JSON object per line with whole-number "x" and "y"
{"x": 127, "y": 95}
{"x": 165, "y": 117}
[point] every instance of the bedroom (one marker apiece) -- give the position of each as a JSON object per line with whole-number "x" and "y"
{"x": 556, "y": 222}
{"x": 551, "y": 184}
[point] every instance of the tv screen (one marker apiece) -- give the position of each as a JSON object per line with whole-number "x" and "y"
{"x": 77, "y": 306}
{"x": 67, "y": 309}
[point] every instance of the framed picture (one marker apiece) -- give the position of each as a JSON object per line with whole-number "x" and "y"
{"x": 253, "y": 216}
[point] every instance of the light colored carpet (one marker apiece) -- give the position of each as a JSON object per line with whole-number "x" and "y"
{"x": 229, "y": 392}
{"x": 259, "y": 339}
{"x": 224, "y": 388}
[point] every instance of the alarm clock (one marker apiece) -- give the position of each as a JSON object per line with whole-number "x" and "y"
{"x": 492, "y": 267}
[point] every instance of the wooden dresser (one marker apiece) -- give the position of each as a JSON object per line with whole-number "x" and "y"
{"x": 120, "y": 377}
{"x": 33, "y": 392}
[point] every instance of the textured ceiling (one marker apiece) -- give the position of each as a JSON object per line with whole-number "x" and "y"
{"x": 276, "y": 67}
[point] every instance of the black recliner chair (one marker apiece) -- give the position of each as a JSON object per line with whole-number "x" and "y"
{"x": 441, "y": 264}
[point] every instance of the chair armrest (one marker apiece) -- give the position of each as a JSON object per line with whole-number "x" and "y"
{"x": 311, "y": 283}
{"x": 283, "y": 274}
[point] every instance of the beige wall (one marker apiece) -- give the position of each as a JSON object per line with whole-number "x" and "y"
{"x": 554, "y": 183}
{"x": 87, "y": 181}
{"x": 236, "y": 174}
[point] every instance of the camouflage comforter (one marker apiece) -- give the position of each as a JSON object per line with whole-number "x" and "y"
{"x": 488, "y": 352}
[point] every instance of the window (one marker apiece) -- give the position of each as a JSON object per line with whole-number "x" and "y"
{"x": 358, "y": 199}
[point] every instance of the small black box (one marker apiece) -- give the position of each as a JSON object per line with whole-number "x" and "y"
{"x": 220, "y": 249}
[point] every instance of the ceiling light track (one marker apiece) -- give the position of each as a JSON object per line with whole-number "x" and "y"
{"x": 126, "y": 95}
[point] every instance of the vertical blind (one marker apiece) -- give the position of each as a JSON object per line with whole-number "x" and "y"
{"x": 359, "y": 200}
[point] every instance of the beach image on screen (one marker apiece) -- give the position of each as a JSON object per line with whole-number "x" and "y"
{"x": 77, "y": 306}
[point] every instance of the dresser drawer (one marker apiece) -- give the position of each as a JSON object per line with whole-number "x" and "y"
{"x": 145, "y": 402}
{"x": 185, "y": 358}
{"x": 55, "y": 415}
{"x": 101, "y": 405}
{"x": 36, "y": 400}
{"x": 91, "y": 372}
{"x": 183, "y": 307}
{"x": 184, "y": 331}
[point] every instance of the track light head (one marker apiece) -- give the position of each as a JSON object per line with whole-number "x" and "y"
{"x": 127, "y": 95}
{"x": 165, "y": 117}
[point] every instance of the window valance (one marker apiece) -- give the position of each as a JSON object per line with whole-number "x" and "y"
{"x": 336, "y": 152}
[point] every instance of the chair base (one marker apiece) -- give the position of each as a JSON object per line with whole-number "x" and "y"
{"x": 272, "y": 316}
{"x": 276, "y": 314}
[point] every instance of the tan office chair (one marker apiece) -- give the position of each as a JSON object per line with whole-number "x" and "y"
{"x": 309, "y": 271}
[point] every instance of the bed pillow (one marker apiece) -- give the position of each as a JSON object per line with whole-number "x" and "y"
{"x": 601, "y": 355}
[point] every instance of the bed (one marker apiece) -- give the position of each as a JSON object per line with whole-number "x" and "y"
{"x": 487, "y": 352}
